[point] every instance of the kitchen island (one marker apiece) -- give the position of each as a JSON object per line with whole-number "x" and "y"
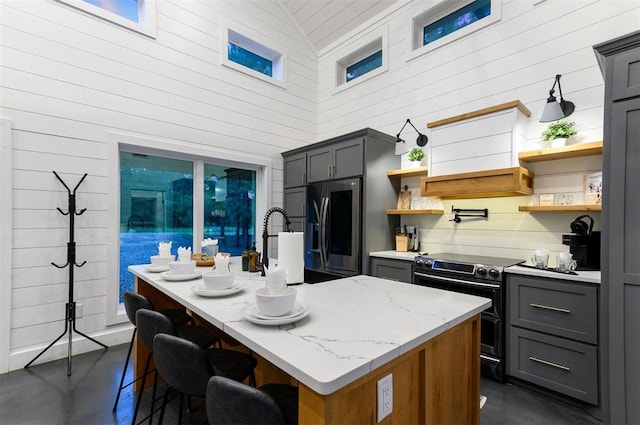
{"x": 360, "y": 330}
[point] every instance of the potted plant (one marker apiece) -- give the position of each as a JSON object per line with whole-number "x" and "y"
{"x": 415, "y": 157}
{"x": 558, "y": 132}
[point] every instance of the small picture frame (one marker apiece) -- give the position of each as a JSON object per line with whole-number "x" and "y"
{"x": 546, "y": 199}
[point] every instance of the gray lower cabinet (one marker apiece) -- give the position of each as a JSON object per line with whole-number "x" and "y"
{"x": 385, "y": 268}
{"x": 552, "y": 335}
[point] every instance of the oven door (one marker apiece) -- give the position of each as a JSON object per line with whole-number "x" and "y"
{"x": 493, "y": 291}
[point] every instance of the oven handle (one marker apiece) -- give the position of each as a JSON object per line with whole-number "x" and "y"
{"x": 462, "y": 282}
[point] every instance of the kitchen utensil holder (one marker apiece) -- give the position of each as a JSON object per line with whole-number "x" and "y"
{"x": 402, "y": 243}
{"x": 70, "y": 307}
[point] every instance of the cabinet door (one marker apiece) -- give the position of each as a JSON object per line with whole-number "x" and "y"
{"x": 626, "y": 75}
{"x": 348, "y": 158}
{"x": 319, "y": 162}
{"x": 297, "y": 224}
{"x": 294, "y": 201}
{"x": 295, "y": 170}
{"x": 399, "y": 270}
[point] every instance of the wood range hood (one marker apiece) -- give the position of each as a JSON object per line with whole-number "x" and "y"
{"x": 505, "y": 180}
{"x": 513, "y": 181}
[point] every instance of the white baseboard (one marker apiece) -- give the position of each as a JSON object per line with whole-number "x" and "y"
{"x": 111, "y": 336}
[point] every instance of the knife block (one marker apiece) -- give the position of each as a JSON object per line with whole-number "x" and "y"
{"x": 402, "y": 243}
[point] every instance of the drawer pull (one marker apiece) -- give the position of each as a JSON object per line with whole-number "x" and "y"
{"x": 546, "y": 307}
{"x": 548, "y": 363}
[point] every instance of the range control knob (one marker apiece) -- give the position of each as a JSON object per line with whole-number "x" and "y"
{"x": 481, "y": 271}
{"x": 428, "y": 264}
{"x": 494, "y": 273}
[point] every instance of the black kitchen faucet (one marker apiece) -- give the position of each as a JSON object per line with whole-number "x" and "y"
{"x": 266, "y": 235}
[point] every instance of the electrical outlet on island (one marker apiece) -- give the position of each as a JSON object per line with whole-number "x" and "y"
{"x": 385, "y": 397}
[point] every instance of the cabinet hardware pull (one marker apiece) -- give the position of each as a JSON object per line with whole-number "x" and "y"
{"x": 548, "y": 363}
{"x": 546, "y": 307}
{"x": 329, "y": 170}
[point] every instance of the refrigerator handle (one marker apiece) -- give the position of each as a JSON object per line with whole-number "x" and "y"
{"x": 323, "y": 231}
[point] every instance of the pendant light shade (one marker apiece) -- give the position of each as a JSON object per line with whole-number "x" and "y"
{"x": 554, "y": 111}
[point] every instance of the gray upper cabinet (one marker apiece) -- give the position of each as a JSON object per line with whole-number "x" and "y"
{"x": 336, "y": 161}
{"x": 620, "y": 293}
{"x": 294, "y": 200}
{"x": 295, "y": 170}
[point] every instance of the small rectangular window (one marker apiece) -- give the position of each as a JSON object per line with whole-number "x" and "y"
{"x": 454, "y": 21}
{"x": 125, "y": 8}
{"x": 249, "y": 59}
{"x": 365, "y": 65}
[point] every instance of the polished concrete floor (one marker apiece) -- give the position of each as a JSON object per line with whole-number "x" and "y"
{"x": 44, "y": 394}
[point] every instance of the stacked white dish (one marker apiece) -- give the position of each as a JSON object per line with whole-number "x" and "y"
{"x": 183, "y": 269}
{"x": 202, "y": 291}
{"x": 276, "y": 308}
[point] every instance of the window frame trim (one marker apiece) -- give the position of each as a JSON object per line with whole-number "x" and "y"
{"x": 256, "y": 44}
{"x": 147, "y": 16}
{"x": 200, "y": 155}
{"x": 442, "y": 9}
{"x": 361, "y": 49}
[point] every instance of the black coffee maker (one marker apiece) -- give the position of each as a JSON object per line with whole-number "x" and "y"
{"x": 584, "y": 244}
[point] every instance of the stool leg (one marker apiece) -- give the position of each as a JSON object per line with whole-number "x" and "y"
{"x": 144, "y": 376}
{"x": 153, "y": 397}
{"x": 124, "y": 371}
{"x": 165, "y": 400}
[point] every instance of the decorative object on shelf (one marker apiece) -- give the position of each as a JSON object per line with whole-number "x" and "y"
{"x": 546, "y": 199}
{"x": 401, "y": 147}
{"x": 404, "y": 199}
{"x": 465, "y": 212}
{"x": 70, "y": 307}
{"x": 558, "y": 133}
{"x": 553, "y": 110}
{"x": 593, "y": 188}
{"x": 415, "y": 157}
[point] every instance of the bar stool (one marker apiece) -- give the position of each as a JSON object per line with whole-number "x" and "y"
{"x": 132, "y": 303}
{"x": 187, "y": 368}
{"x": 149, "y": 324}
{"x": 231, "y": 402}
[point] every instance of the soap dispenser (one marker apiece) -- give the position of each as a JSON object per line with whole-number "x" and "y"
{"x": 254, "y": 259}
{"x": 245, "y": 259}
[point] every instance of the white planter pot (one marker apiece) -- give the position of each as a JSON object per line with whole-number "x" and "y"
{"x": 558, "y": 142}
{"x": 415, "y": 164}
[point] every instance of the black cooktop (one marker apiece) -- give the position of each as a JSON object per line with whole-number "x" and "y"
{"x": 473, "y": 259}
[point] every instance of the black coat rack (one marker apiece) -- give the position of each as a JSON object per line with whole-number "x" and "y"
{"x": 70, "y": 307}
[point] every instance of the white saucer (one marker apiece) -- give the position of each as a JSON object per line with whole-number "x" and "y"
{"x": 180, "y": 277}
{"x": 247, "y": 313}
{"x": 298, "y": 309}
{"x": 156, "y": 269}
{"x": 204, "y": 292}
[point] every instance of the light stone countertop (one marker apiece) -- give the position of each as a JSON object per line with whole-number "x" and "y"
{"x": 582, "y": 276}
{"x": 356, "y": 324}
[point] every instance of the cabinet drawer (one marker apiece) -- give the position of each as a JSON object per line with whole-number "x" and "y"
{"x": 392, "y": 269}
{"x": 568, "y": 367}
{"x": 556, "y": 307}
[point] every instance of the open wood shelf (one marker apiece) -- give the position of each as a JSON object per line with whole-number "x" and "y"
{"x": 414, "y": 212}
{"x": 479, "y": 184}
{"x": 571, "y": 151}
{"x": 409, "y": 172}
{"x": 559, "y": 208}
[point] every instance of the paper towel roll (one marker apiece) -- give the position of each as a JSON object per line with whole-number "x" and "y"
{"x": 291, "y": 255}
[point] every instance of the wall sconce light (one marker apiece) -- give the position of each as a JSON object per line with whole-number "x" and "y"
{"x": 554, "y": 111}
{"x": 401, "y": 147}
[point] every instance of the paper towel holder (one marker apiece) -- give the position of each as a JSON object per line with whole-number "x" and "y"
{"x": 266, "y": 235}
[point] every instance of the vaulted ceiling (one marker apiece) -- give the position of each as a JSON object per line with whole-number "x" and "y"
{"x": 324, "y": 21}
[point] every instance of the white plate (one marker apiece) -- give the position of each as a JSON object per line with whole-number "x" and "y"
{"x": 156, "y": 269}
{"x": 180, "y": 277}
{"x": 204, "y": 292}
{"x": 298, "y": 309}
{"x": 248, "y": 315}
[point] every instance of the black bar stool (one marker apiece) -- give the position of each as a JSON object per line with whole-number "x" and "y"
{"x": 187, "y": 368}
{"x": 149, "y": 324}
{"x": 132, "y": 303}
{"x": 231, "y": 402}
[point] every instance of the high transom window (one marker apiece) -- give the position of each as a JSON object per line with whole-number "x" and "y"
{"x": 365, "y": 65}
{"x": 136, "y": 15}
{"x": 459, "y": 19}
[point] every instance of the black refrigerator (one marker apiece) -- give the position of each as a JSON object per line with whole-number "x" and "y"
{"x": 333, "y": 238}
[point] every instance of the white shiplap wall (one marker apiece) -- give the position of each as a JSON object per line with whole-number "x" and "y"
{"x": 513, "y": 59}
{"x": 69, "y": 81}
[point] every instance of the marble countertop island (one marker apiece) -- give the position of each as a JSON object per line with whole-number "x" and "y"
{"x": 356, "y": 324}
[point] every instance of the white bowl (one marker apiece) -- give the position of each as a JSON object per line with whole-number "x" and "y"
{"x": 182, "y": 267}
{"x": 161, "y": 260}
{"x": 217, "y": 281}
{"x": 275, "y": 304}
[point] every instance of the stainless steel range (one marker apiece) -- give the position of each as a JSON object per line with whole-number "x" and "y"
{"x": 474, "y": 275}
